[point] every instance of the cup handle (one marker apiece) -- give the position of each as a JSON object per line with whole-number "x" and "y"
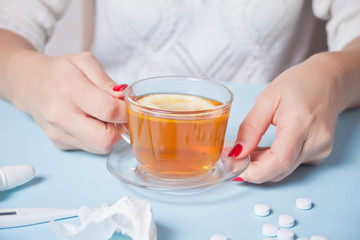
{"x": 125, "y": 133}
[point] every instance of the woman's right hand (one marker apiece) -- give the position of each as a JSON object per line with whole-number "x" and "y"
{"x": 70, "y": 97}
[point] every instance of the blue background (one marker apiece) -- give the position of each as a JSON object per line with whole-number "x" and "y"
{"x": 71, "y": 179}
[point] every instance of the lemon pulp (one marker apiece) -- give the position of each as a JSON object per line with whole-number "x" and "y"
{"x": 176, "y": 102}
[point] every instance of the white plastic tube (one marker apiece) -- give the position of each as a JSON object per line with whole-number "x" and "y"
{"x": 13, "y": 176}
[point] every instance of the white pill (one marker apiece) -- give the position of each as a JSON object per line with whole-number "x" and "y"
{"x": 302, "y": 239}
{"x": 286, "y": 220}
{"x": 13, "y": 176}
{"x": 303, "y": 203}
{"x": 261, "y": 209}
{"x": 269, "y": 230}
{"x": 218, "y": 237}
{"x": 318, "y": 237}
{"x": 285, "y": 234}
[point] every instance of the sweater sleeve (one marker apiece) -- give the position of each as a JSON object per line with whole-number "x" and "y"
{"x": 343, "y": 18}
{"x": 32, "y": 19}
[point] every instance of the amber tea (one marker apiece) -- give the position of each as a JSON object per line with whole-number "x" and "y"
{"x": 177, "y": 135}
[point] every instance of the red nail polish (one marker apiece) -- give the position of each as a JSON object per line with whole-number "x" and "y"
{"x": 237, "y": 149}
{"x": 119, "y": 88}
{"x": 238, "y": 179}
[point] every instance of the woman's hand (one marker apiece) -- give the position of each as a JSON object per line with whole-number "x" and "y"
{"x": 70, "y": 97}
{"x": 303, "y": 103}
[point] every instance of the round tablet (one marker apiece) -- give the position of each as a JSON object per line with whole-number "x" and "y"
{"x": 286, "y": 220}
{"x": 303, "y": 203}
{"x": 302, "y": 239}
{"x": 261, "y": 210}
{"x": 269, "y": 230}
{"x": 218, "y": 237}
{"x": 285, "y": 234}
{"x": 318, "y": 237}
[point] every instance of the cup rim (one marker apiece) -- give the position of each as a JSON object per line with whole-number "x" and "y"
{"x": 189, "y": 112}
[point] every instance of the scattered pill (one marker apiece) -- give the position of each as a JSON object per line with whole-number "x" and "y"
{"x": 285, "y": 234}
{"x": 269, "y": 230}
{"x": 303, "y": 203}
{"x": 218, "y": 237}
{"x": 286, "y": 220}
{"x": 318, "y": 237}
{"x": 261, "y": 209}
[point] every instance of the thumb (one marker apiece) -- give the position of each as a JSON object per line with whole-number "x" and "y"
{"x": 253, "y": 128}
{"x": 93, "y": 70}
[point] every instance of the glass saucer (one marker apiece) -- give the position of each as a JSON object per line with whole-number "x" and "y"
{"x": 122, "y": 165}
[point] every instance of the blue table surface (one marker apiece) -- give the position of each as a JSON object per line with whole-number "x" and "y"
{"x": 71, "y": 179}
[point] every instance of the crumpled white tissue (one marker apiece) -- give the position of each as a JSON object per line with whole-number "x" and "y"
{"x": 129, "y": 216}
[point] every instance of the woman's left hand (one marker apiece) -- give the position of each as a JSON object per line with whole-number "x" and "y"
{"x": 303, "y": 103}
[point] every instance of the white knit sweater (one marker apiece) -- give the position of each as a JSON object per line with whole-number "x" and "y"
{"x": 223, "y": 40}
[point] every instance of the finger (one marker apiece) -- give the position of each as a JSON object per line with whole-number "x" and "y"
{"x": 254, "y": 126}
{"x": 260, "y": 149}
{"x": 319, "y": 145}
{"x": 93, "y": 70}
{"x": 62, "y": 139}
{"x": 68, "y": 142}
{"x": 99, "y": 104}
{"x": 288, "y": 171}
{"x": 91, "y": 134}
{"x": 280, "y": 159}
{"x": 313, "y": 155}
{"x": 102, "y": 136}
{"x": 118, "y": 91}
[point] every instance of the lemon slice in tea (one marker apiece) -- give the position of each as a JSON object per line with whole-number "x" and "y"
{"x": 177, "y": 102}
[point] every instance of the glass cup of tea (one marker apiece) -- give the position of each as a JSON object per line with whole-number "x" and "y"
{"x": 177, "y": 125}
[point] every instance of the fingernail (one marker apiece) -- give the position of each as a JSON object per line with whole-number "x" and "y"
{"x": 119, "y": 88}
{"x": 238, "y": 179}
{"x": 237, "y": 149}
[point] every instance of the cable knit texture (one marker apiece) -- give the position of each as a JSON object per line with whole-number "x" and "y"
{"x": 344, "y": 20}
{"x": 232, "y": 40}
{"x": 219, "y": 40}
{"x": 32, "y": 19}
